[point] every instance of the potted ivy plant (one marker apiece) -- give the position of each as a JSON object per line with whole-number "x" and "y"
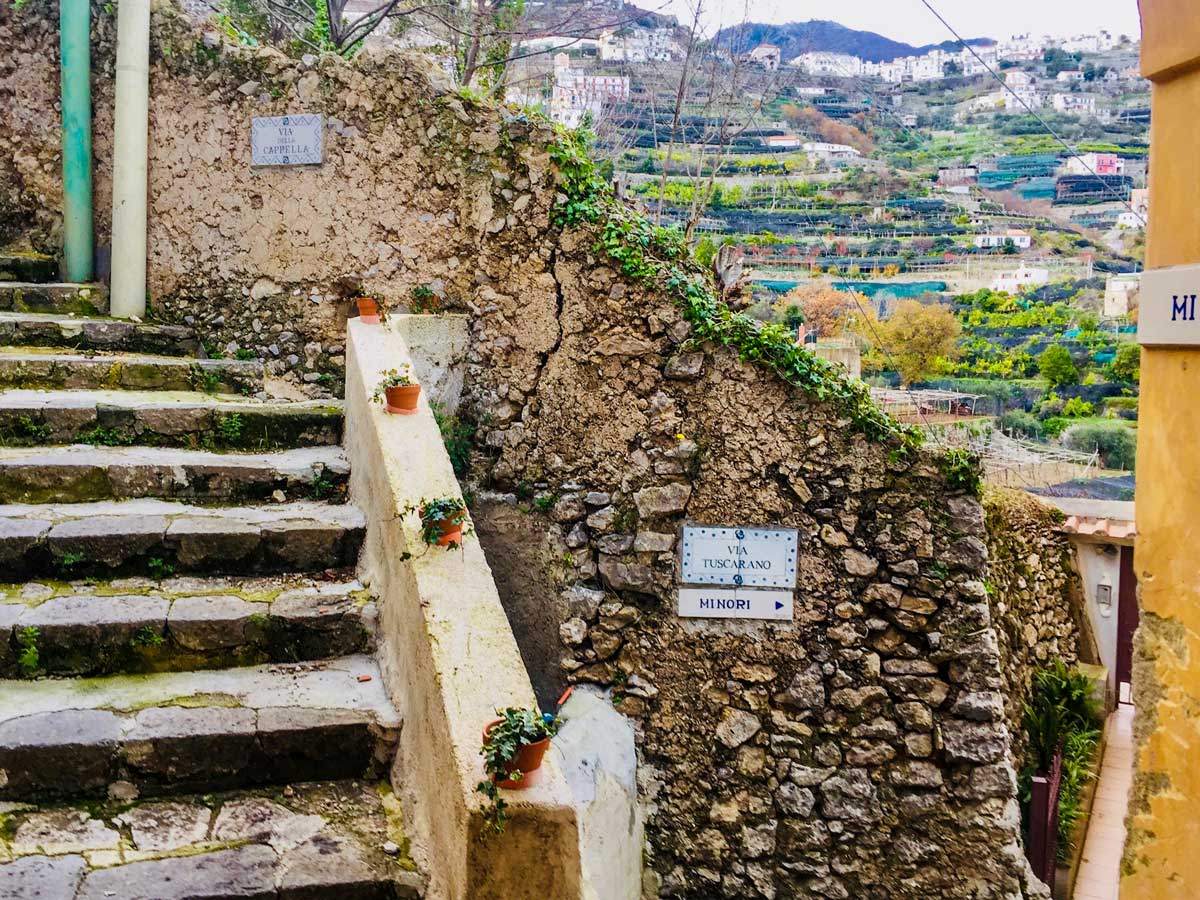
{"x": 443, "y": 520}
{"x": 368, "y": 310}
{"x": 514, "y": 746}
{"x": 398, "y": 392}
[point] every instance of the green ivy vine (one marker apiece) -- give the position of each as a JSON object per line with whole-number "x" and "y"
{"x": 658, "y": 257}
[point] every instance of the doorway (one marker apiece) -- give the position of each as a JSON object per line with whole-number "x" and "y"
{"x": 1127, "y": 622}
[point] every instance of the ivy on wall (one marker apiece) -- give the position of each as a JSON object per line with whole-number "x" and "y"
{"x": 658, "y": 257}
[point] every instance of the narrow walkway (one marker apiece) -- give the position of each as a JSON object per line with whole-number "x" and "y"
{"x": 1100, "y": 871}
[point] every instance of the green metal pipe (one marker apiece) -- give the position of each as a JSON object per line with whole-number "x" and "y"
{"x": 75, "y": 50}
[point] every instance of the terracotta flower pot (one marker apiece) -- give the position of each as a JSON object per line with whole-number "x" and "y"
{"x": 403, "y": 400}
{"x": 368, "y": 311}
{"x": 451, "y": 533}
{"x": 528, "y": 760}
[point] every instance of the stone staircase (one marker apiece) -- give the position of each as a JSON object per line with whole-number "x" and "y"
{"x": 189, "y": 705}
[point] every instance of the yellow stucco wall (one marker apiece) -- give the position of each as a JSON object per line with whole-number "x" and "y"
{"x": 1162, "y": 855}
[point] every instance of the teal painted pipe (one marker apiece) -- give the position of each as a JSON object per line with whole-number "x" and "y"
{"x": 75, "y": 40}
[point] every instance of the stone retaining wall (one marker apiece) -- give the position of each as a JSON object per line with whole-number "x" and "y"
{"x": 1034, "y": 592}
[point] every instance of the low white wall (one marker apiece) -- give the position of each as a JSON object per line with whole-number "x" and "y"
{"x": 447, "y": 654}
{"x": 598, "y": 754}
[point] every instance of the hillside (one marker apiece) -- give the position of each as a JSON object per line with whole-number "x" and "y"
{"x": 795, "y": 38}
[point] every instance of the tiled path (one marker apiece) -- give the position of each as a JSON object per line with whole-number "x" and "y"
{"x": 1100, "y": 872}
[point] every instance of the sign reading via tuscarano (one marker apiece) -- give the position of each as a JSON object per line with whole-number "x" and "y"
{"x": 742, "y": 557}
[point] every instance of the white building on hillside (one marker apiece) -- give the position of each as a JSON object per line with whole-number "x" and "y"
{"x": 1020, "y": 239}
{"x": 1120, "y": 294}
{"x": 576, "y": 93}
{"x": 1080, "y": 104}
{"x": 633, "y": 43}
{"x": 824, "y": 63}
{"x": 1022, "y": 279}
{"x": 823, "y": 151}
{"x": 766, "y": 55}
{"x": 1070, "y": 76}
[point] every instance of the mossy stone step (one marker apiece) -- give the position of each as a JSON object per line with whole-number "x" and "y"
{"x": 79, "y": 299}
{"x": 82, "y": 473}
{"x": 180, "y": 732}
{"x": 27, "y": 266}
{"x": 177, "y": 624}
{"x": 154, "y": 536}
{"x": 23, "y": 367}
{"x": 93, "y": 333}
{"x": 165, "y": 419}
{"x": 316, "y": 841}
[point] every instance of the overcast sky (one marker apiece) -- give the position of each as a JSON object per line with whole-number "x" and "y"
{"x": 910, "y": 21}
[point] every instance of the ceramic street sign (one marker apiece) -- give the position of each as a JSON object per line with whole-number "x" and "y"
{"x": 286, "y": 140}
{"x": 1168, "y": 310}
{"x": 743, "y": 557}
{"x": 735, "y": 603}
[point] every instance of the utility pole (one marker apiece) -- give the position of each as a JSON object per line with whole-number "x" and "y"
{"x": 127, "y": 294}
{"x": 74, "y": 37}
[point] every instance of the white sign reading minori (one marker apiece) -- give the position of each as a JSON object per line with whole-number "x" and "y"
{"x": 1168, "y": 309}
{"x": 743, "y": 557}
{"x": 286, "y": 140}
{"x": 735, "y": 603}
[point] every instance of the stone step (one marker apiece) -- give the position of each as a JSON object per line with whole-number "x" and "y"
{"x": 80, "y": 473}
{"x": 27, "y": 266}
{"x": 33, "y": 367}
{"x": 181, "y": 623}
{"x": 159, "y": 537}
{"x": 23, "y": 329}
{"x": 80, "y": 299}
{"x": 171, "y": 419}
{"x": 179, "y": 732}
{"x": 338, "y": 840}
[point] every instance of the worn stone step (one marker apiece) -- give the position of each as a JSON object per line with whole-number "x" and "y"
{"x": 169, "y": 419}
{"x": 81, "y": 473}
{"x": 158, "y": 536}
{"x": 315, "y": 841}
{"x": 179, "y": 623}
{"x": 25, "y": 329}
{"x": 34, "y": 367}
{"x": 27, "y": 266}
{"x": 178, "y": 732}
{"x": 28, "y": 296}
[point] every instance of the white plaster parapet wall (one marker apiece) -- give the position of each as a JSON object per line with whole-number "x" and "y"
{"x": 448, "y": 656}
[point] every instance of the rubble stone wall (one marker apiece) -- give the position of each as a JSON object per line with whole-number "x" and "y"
{"x": 859, "y": 751}
{"x": 1034, "y": 591}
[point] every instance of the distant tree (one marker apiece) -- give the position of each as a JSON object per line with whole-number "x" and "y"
{"x": 824, "y": 307}
{"x": 1127, "y": 364}
{"x": 1057, "y": 367}
{"x": 1010, "y": 246}
{"x": 921, "y": 339}
{"x": 793, "y": 316}
{"x": 952, "y": 68}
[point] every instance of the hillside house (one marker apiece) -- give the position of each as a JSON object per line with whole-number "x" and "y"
{"x": 1120, "y": 294}
{"x": 634, "y": 43}
{"x": 1022, "y": 240}
{"x": 822, "y": 62}
{"x": 575, "y": 93}
{"x": 1021, "y": 280}
{"x": 951, "y": 176}
{"x": 768, "y": 56}
{"x": 829, "y": 152}
{"x": 1069, "y": 76}
{"x": 1095, "y": 164}
{"x": 1080, "y": 104}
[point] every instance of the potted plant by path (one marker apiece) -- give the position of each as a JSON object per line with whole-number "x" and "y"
{"x": 368, "y": 310}
{"x": 398, "y": 392}
{"x": 513, "y": 748}
{"x": 442, "y": 521}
